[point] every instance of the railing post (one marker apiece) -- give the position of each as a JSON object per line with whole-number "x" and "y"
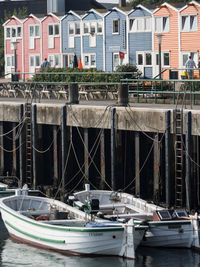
{"x": 123, "y": 94}
{"x": 73, "y": 93}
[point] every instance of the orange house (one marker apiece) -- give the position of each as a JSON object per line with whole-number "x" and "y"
{"x": 166, "y": 23}
{"x": 190, "y": 33}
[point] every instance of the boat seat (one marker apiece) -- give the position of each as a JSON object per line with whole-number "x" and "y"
{"x": 72, "y": 222}
{"x": 34, "y": 212}
{"x": 130, "y": 215}
{"x": 112, "y": 206}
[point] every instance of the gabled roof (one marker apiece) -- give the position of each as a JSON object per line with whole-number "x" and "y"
{"x": 77, "y": 13}
{"x": 166, "y": 5}
{"x": 100, "y": 12}
{"x": 38, "y": 17}
{"x": 190, "y": 3}
{"x": 59, "y": 16}
{"x": 123, "y": 10}
{"x": 13, "y": 18}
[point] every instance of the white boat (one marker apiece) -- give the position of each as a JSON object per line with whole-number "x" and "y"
{"x": 167, "y": 228}
{"x": 6, "y": 191}
{"x": 51, "y": 224}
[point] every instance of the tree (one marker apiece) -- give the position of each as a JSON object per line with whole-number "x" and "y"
{"x": 18, "y": 13}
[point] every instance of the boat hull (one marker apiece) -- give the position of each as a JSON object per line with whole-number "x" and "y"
{"x": 177, "y": 234}
{"x": 68, "y": 240}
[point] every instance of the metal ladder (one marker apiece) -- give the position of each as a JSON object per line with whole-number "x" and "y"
{"x": 179, "y": 168}
{"x": 28, "y": 110}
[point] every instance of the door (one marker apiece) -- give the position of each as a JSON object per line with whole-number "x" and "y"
{"x": 9, "y": 65}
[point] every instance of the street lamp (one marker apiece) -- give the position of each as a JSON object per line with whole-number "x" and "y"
{"x": 159, "y": 38}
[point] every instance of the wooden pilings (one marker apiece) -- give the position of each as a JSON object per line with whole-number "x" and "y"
{"x": 137, "y": 163}
{"x": 167, "y": 159}
{"x": 113, "y": 149}
{"x": 63, "y": 148}
{"x": 1, "y": 149}
{"x": 188, "y": 160}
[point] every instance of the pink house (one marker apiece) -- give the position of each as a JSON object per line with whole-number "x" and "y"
{"x": 166, "y": 21}
{"x": 190, "y": 33}
{"x": 32, "y": 45}
{"x": 13, "y": 32}
{"x": 51, "y": 39}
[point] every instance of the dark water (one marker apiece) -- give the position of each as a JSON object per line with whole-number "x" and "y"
{"x": 14, "y": 254}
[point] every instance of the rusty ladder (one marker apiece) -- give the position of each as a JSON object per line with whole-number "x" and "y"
{"x": 179, "y": 168}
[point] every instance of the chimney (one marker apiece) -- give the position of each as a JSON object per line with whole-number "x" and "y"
{"x": 122, "y": 3}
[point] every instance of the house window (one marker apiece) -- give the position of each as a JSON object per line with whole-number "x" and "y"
{"x": 144, "y": 59}
{"x": 90, "y": 60}
{"x": 140, "y": 24}
{"x": 34, "y": 31}
{"x": 148, "y": 59}
{"x": 7, "y": 32}
{"x": 34, "y": 61}
{"x": 115, "y": 60}
{"x": 14, "y": 32}
{"x": 189, "y": 23}
{"x": 54, "y": 29}
{"x": 99, "y": 27}
{"x": 92, "y": 27}
{"x": 54, "y": 60}
{"x": 140, "y": 59}
{"x": 116, "y": 26}
{"x": 74, "y": 28}
{"x": 162, "y": 24}
{"x": 10, "y": 61}
{"x": 77, "y": 28}
{"x": 68, "y": 60}
{"x": 86, "y": 27}
{"x": 166, "y": 59}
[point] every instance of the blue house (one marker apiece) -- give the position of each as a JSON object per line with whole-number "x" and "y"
{"x": 92, "y": 39}
{"x": 71, "y": 39}
{"x": 140, "y": 48}
{"x": 116, "y": 38}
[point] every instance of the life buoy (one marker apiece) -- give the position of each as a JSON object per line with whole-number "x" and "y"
{"x": 42, "y": 218}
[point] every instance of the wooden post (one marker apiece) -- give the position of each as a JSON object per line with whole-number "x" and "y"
{"x": 64, "y": 143}
{"x": 21, "y": 146}
{"x": 1, "y": 149}
{"x": 34, "y": 138}
{"x": 156, "y": 166}
{"x": 113, "y": 149}
{"x": 55, "y": 156}
{"x": 167, "y": 160}
{"x": 14, "y": 153}
{"x": 103, "y": 171}
{"x": 187, "y": 158}
{"x": 86, "y": 156}
{"x": 137, "y": 163}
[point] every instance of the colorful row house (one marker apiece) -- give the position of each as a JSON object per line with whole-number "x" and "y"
{"x": 105, "y": 39}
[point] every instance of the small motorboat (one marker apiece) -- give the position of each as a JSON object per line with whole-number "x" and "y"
{"x": 51, "y": 224}
{"x": 166, "y": 228}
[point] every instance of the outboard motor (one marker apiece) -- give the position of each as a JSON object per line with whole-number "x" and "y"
{"x": 92, "y": 206}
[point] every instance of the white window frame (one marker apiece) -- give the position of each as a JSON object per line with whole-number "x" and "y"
{"x": 189, "y": 29}
{"x": 95, "y": 23}
{"x": 116, "y": 54}
{"x": 16, "y": 31}
{"x": 137, "y": 22}
{"x": 69, "y": 55}
{"x": 114, "y": 20}
{"x": 34, "y": 31}
{"x": 144, "y": 53}
{"x": 89, "y": 55}
{"x": 35, "y": 56}
{"x": 53, "y": 62}
{"x": 74, "y": 24}
{"x": 162, "y": 59}
{"x": 11, "y": 58}
{"x": 161, "y": 18}
{"x": 54, "y": 31}
{"x": 189, "y": 53}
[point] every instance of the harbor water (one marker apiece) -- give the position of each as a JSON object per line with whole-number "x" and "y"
{"x": 13, "y": 254}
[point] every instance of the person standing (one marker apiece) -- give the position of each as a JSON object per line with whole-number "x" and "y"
{"x": 45, "y": 64}
{"x": 190, "y": 64}
{"x": 199, "y": 67}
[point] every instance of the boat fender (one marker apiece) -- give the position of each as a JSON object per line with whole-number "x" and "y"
{"x": 42, "y": 218}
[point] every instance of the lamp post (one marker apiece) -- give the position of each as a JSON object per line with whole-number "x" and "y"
{"x": 159, "y": 38}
